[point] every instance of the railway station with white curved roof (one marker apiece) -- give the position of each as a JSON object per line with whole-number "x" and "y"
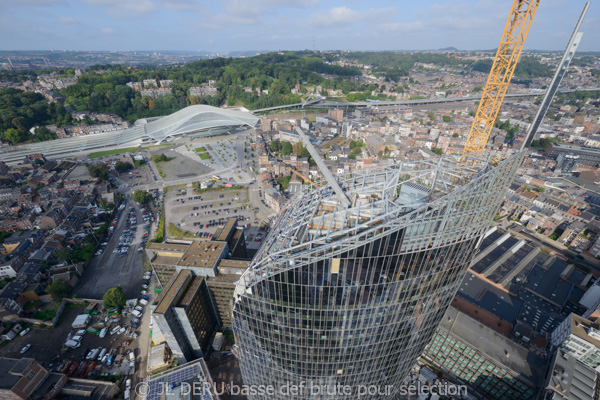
{"x": 192, "y": 122}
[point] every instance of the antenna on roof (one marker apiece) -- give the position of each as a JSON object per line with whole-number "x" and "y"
{"x": 323, "y": 168}
{"x": 561, "y": 70}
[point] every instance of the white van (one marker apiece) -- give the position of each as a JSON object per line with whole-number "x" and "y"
{"x": 73, "y": 344}
{"x": 136, "y": 313}
{"x": 103, "y": 332}
{"x": 102, "y": 353}
{"x": 92, "y": 354}
{"x": 115, "y": 329}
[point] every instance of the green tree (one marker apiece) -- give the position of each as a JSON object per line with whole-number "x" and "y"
{"x": 304, "y": 153}
{"x": 275, "y": 145}
{"x": 455, "y": 135}
{"x": 59, "y": 290}
{"x": 114, "y": 297}
{"x": 121, "y": 166}
{"x": 141, "y": 196}
{"x": 64, "y": 254}
{"x": 286, "y": 148}
{"x": 437, "y": 150}
{"x": 284, "y": 181}
{"x": 99, "y": 170}
{"x": 159, "y": 158}
{"x": 431, "y": 115}
{"x": 447, "y": 118}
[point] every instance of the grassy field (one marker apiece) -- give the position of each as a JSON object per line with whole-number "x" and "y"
{"x": 160, "y": 171}
{"x": 338, "y": 140}
{"x": 204, "y": 156}
{"x": 178, "y": 232}
{"x": 200, "y": 149}
{"x": 105, "y": 153}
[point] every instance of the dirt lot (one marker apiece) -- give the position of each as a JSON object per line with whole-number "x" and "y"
{"x": 180, "y": 166}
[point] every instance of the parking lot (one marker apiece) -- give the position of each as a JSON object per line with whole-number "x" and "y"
{"x": 202, "y": 213}
{"x": 119, "y": 260}
{"x": 47, "y": 345}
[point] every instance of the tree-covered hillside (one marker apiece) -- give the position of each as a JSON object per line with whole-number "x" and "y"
{"x": 527, "y": 67}
{"x": 20, "y": 111}
{"x": 103, "y": 88}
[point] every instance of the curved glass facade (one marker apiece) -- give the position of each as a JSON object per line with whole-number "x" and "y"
{"x": 344, "y": 299}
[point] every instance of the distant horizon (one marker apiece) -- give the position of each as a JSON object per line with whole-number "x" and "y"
{"x": 218, "y": 26}
{"x": 258, "y": 52}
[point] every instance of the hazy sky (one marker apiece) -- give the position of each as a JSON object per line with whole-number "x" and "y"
{"x": 282, "y": 24}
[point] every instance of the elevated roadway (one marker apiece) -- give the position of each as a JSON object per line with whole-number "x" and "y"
{"x": 321, "y": 103}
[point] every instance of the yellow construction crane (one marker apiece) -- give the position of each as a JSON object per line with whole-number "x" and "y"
{"x": 305, "y": 179}
{"x": 515, "y": 33}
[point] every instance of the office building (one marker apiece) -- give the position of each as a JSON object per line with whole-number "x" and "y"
{"x": 185, "y": 316}
{"x": 574, "y": 371}
{"x": 221, "y": 291}
{"x": 200, "y": 256}
{"x": 494, "y": 366}
{"x": 203, "y": 257}
{"x": 355, "y": 276}
{"x": 567, "y": 156}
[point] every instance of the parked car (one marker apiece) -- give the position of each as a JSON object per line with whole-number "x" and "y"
{"x": 24, "y": 349}
{"x": 25, "y": 332}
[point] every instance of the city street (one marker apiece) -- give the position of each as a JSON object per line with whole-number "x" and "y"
{"x": 593, "y": 265}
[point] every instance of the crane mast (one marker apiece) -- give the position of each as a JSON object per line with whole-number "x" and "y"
{"x": 505, "y": 61}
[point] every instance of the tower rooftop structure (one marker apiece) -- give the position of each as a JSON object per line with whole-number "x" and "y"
{"x": 338, "y": 285}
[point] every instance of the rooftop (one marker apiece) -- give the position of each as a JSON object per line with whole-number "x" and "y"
{"x": 198, "y": 253}
{"x": 202, "y": 254}
{"x": 173, "y": 290}
{"x": 11, "y": 370}
{"x": 190, "y": 291}
{"x": 497, "y": 347}
{"x": 228, "y": 263}
{"x": 194, "y": 371}
{"x": 222, "y": 234}
{"x": 356, "y": 208}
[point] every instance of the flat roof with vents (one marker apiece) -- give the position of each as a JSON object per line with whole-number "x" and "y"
{"x": 202, "y": 254}
{"x": 197, "y": 254}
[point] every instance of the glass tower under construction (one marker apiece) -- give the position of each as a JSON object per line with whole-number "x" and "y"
{"x": 350, "y": 285}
